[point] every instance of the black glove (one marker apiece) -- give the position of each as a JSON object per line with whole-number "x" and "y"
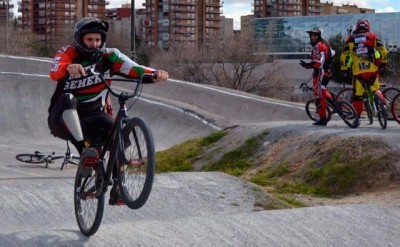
{"x": 307, "y": 65}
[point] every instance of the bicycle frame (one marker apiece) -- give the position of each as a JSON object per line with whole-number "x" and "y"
{"x": 370, "y": 95}
{"x": 370, "y": 98}
{"x": 305, "y": 84}
{"x": 114, "y": 142}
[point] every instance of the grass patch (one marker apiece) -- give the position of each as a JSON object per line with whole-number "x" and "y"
{"x": 180, "y": 157}
{"x": 266, "y": 178}
{"x": 270, "y": 176}
{"x": 340, "y": 174}
{"x": 280, "y": 184}
{"x": 237, "y": 161}
{"x": 336, "y": 174}
{"x": 290, "y": 201}
{"x": 213, "y": 138}
{"x": 298, "y": 187}
{"x": 268, "y": 201}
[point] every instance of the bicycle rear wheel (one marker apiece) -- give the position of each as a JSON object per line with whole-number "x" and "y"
{"x": 137, "y": 167}
{"x": 31, "y": 158}
{"x": 89, "y": 201}
{"x": 348, "y": 114}
{"x": 395, "y": 108}
{"x": 389, "y": 94}
{"x": 313, "y": 114}
{"x": 382, "y": 116}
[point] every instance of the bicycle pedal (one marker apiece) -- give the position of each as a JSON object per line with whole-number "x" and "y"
{"x": 135, "y": 162}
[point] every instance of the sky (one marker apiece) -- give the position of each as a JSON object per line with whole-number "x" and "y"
{"x": 236, "y": 8}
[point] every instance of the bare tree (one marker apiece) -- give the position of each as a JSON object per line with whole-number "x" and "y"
{"x": 233, "y": 64}
{"x": 20, "y": 42}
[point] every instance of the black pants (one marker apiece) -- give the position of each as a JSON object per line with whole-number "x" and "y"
{"x": 95, "y": 125}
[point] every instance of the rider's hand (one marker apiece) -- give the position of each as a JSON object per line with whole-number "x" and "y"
{"x": 161, "y": 76}
{"x": 302, "y": 63}
{"x": 76, "y": 70}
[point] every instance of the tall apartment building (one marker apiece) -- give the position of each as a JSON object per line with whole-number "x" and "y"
{"x": 6, "y": 11}
{"x": 279, "y": 8}
{"x": 330, "y": 9}
{"x": 246, "y": 25}
{"x": 227, "y": 28}
{"x": 173, "y": 22}
{"x": 52, "y": 20}
{"x": 120, "y": 21}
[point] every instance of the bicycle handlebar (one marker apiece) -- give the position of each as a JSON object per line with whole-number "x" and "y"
{"x": 306, "y": 84}
{"x": 125, "y": 94}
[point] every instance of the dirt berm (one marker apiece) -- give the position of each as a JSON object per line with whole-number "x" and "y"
{"x": 336, "y": 164}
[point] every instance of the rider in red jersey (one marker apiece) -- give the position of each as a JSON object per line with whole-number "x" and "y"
{"x": 321, "y": 60}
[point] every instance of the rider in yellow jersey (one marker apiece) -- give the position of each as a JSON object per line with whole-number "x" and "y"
{"x": 365, "y": 54}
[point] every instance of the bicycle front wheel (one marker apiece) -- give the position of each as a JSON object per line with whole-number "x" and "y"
{"x": 382, "y": 116}
{"x": 348, "y": 114}
{"x": 313, "y": 113}
{"x": 89, "y": 201}
{"x": 345, "y": 94}
{"x": 31, "y": 158}
{"x": 137, "y": 166}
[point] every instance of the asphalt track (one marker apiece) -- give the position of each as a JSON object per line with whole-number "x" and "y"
{"x": 184, "y": 209}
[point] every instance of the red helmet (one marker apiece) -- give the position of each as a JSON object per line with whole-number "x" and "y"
{"x": 362, "y": 24}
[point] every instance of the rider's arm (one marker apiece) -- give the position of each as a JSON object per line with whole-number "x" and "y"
{"x": 62, "y": 59}
{"x": 318, "y": 61}
{"x": 346, "y": 56}
{"x": 382, "y": 50}
{"x": 124, "y": 66}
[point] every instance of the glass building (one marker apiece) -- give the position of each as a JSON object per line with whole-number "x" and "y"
{"x": 288, "y": 36}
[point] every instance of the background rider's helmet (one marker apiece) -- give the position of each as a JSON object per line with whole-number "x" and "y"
{"x": 350, "y": 30}
{"x": 318, "y": 31}
{"x": 90, "y": 25}
{"x": 362, "y": 24}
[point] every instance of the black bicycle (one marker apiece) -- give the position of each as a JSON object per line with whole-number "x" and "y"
{"x": 129, "y": 153}
{"x": 343, "y": 108}
{"x": 39, "y": 157}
